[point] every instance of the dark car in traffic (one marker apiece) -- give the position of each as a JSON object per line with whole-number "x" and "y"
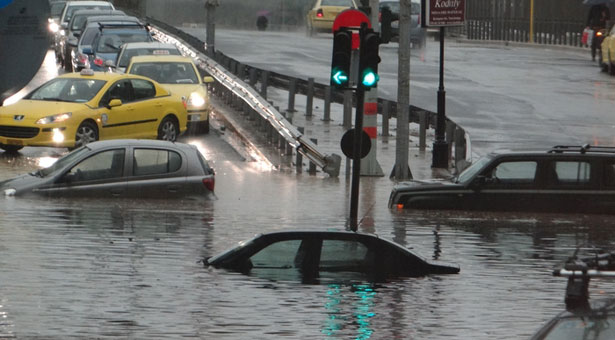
{"x": 574, "y": 179}
{"x": 130, "y": 168}
{"x": 324, "y": 256}
{"x": 110, "y": 39}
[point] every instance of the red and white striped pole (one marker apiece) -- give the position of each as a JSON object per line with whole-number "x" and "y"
{"x": 369, "y": 164}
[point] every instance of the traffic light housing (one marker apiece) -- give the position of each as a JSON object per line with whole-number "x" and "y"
{"x": 386, "y": 18}
{"x": 340, "y": 61}
{"x": 369, "y": 59}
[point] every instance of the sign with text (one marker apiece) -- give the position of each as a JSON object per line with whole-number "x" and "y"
{"x": 438, "y": 13}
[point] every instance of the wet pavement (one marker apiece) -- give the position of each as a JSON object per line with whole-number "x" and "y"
{"x": 131, "y": 268}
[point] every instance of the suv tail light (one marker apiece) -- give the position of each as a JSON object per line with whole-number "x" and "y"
{"x": 319, "y": 13}
{"x": 209, "y": 183}
{"x": 82, "y": 58}
{"x": 98, "y": 61}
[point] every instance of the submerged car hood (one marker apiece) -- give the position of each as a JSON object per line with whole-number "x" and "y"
{"x": 426, "y": 184}
{"x": 33, "y": 110}
{"x": 21, "y": 185}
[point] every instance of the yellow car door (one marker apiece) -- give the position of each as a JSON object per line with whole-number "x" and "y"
{"x": 117, "y": 111}
{"x": 148, "y": 109}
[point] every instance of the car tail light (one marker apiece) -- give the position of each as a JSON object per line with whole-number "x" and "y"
{"x": 98, "y": 61}
{"x": 82, "y": 59}
{"x": 209, "y": 183}
{"x": 399, "y": 206}
{"x": 319, "y": 13}
{"x": 379, "y": 16}
{"x": 599, "y": 33}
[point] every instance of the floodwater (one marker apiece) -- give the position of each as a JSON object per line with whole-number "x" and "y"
{"x": 131, "y": 269}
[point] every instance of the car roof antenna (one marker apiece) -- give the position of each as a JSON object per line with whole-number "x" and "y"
{"x": 361, "y": 220}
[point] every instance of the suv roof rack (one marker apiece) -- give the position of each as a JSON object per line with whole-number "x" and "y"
{"x": 102, "y": 25}
{"x": 582, "y": 149}
{"x": 579, "y": 270}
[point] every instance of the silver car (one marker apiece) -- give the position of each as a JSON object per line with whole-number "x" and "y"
{"x": 130, "y": 168}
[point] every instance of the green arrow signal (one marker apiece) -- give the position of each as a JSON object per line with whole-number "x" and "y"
{"x": 340, "y": 78}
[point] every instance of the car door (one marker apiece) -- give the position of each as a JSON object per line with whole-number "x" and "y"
{"x": 343, "y": 260}
{"x": 157, "y": 173}
{"x": 148, "y": 109}
{"x": 280, "y": 260}
{"x": 117, "y": 121}
{"x": 572, "y": 185}
{"x": 509, "y": 184}
{"x": 99, "y": 175}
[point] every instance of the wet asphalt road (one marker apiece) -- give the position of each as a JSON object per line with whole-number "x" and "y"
{"x": 504, "y": 96}
{"x": 130, "y": 269}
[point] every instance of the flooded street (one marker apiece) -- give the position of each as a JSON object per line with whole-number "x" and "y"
{"x": 131, "y": 269}
{"x": 109, "y": 269}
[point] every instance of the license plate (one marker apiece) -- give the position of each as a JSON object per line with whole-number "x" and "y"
{"x": 14, "y": 142}
{"x": 195, "y": 117}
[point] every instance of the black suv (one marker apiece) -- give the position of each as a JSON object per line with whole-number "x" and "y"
{"x": 562, "y": 179}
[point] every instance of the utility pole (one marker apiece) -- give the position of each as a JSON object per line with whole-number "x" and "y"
{"x": 401, "y": 170}
{"x": 211, "y": 5}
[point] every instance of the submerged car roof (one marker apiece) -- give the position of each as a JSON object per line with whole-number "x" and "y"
{"x": 137, "y": 142}
{"x": 567, "y": 150}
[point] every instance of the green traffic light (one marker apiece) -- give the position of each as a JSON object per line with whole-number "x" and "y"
{"x": 370, "y": 78}
{"x": 340, "y": 77}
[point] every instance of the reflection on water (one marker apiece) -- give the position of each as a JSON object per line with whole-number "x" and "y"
{"x": 131, "y": 268}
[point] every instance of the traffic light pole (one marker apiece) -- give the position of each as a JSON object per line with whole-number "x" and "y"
{"x": 356, "y": 159}
{"x": 440, "y": 146}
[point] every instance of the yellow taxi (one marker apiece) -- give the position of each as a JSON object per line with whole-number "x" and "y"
{"x": 606, "y": 59}
{"x": 78, "y": 108}
{"x": 181, "y": 76}
{"x": 320, "y": 18}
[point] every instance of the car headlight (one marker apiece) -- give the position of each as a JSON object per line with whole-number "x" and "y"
{"x": 53, "y": 27}
{"x": 9, "y": 192}
{"x": 196, "y": 100}
{"x": 55, "y": 118}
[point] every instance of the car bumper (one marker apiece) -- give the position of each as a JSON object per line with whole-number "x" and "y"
{"x": 198, "y": 121}
{"x": 322, "y": 24}
{"x": 51, "y": 136}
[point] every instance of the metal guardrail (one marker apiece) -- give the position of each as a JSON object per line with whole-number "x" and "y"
{"x": 456, "y": 135}
{"x": 330, "y": 164}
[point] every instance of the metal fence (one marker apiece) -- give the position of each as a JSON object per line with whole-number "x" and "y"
{"x": 558, "y": 22}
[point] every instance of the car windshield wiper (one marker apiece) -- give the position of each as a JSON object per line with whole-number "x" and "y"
{"x": 112, "y": 46}
{"x": 55, "y": 99}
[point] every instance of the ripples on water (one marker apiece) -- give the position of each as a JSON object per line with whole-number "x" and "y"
{"x": 109, "y": 269}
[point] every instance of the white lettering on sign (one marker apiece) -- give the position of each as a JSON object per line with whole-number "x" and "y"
{"x": 447, "y": 3}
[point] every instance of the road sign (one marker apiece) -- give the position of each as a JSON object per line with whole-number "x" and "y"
{"x": 347, "y": 143}
{"x": 440, "y": 13}
{"x": 351, "y": 18}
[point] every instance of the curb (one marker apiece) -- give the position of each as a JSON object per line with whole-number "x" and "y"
{"x": 523, "y": 44}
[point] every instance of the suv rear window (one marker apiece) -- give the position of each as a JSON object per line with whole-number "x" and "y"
{"x": 111, "y": 41}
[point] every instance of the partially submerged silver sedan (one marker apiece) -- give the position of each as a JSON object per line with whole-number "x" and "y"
{"x": 131, "y": 168}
